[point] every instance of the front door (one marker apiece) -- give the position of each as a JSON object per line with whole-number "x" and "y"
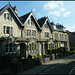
{"x": 23, "y": 49}
{"x": 46, "y": 48}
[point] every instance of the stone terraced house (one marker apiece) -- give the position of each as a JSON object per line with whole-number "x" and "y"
{"x": 26, "y": 35}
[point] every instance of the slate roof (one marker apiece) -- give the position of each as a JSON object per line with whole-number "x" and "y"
{"x": 60, "y": 26}
{"x": 41, "y": 21}
{"x": 12, "y": 9}
{"x": 52, "y": 23}
{"x": 24, "y": 17}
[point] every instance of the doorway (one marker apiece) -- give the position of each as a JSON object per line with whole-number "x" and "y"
{"x": 23, "y": 49}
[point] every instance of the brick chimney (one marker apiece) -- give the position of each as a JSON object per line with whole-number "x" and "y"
{"x": 15, "y": 9}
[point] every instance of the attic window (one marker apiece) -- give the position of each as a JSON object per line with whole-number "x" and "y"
{"x": 46, "y": 25}
{"x": 30, "y": 22}
{"x": 7, "y": 16}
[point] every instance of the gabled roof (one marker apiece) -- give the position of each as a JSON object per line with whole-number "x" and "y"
{"x": 24, "y": 17}
{"x": 11, "y": 8}
{"x": 42, "y": 22}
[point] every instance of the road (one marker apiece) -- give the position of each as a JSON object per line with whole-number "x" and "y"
{"x": 67, "y": 66}
{"x": 59, "y": 66}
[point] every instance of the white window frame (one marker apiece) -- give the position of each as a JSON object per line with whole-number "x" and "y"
{"x": 7, "y": 48}
{"x": 33, "y": 33}
{"x": 56, "y": 35}
{"x": 12, "y": 47}
{"x": 5, "y": 16}
{"x": 30, "y": 22}
{"x": 10, "y": 30}
{"x": 46, "y": 33}
{"x": 33, "y": 47}
{"x": 28, "y": 32}
{"x": 10, "y": 17}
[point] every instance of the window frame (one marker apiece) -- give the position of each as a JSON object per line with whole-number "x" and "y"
{"x": 28, "y": 32}
{"x": 10, "y": 29}
{"x": 10, "y": 48}
{"x": 8, "y": 16}
{"x": 33, "y": 33}
{"x": 46, "y": 25}
{"x": 5, "y": 16}
{"x": 46, "y": 34}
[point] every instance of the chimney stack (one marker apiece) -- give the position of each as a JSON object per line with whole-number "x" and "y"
{"x": 15, "y": 9}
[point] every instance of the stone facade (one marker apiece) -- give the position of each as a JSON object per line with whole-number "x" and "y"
{"x": 61, "y": 39}
{"x": 28, "y": 36}
{"x": 9, "y": 31}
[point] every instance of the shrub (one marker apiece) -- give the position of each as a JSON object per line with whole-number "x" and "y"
{"x": 44, "y": 56}
{"x": 51, "y": 51}
{"x": 67, "y": 53}
{"x": 73, "y": 51}
{"x": 72, "y": 48}
{"x": 38, "y": 60}
{"x": 60, "y": 54}
{"x": 5, "y": 62}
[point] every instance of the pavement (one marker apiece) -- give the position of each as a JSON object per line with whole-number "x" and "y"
{"x": 44, "y": 68}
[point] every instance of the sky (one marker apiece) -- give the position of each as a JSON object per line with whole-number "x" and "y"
{"x": 62, "y": 12}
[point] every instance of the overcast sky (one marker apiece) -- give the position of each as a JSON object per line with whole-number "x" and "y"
{"x": 62, "y": 12}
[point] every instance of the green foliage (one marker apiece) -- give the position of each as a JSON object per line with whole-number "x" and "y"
{"x": 51, "y": 51}
{"x": 73, "y": 51}
{"x": 45, "y": 56}
{"x": 72, "y": 48}
{"x": 40, "y": 57}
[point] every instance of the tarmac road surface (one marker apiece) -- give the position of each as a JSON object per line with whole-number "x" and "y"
{"x": 59, "y": 66}
{"x": 65, "y": 67}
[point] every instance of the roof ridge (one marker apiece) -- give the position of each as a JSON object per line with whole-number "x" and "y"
{"x": 25, "y": 14}
{"x": 42, "y": 17}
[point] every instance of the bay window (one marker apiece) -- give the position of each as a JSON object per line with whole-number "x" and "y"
{"x": 33, "y": 46}
{"x": 10, "y": 48}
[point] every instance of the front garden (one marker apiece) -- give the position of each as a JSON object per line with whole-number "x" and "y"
{"x": 16, "y": 64}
